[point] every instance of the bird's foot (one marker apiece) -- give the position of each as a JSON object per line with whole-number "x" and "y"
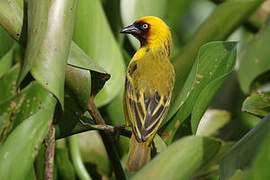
{"x": 118, "y": 130}
{"x": 153, "y": 150}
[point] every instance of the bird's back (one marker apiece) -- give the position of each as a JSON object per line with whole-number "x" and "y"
{"x": 150, "y": 79}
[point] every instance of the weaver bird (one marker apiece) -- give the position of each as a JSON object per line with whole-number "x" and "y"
{"x": 148, "y": 87}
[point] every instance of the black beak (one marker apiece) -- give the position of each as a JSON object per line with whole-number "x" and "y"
{"x": 131, "y": 30}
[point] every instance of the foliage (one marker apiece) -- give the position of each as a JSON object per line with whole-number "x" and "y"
{"x": 53, "y": 78}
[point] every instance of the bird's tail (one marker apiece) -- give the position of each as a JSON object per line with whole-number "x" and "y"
{"x": 139, "y": 154}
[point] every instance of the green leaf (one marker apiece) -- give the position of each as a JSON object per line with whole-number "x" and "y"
{"x": 112, "y": 10}
{"x": 242, "y": 153}
{"x": 238, "y": 175}
{"x": 260, "y": 167}
{"x": 93, "y": 151}
{"x": 132, "y": 10}
{"x": 216, "y": 27}
{"x": 6, "y": 62}
{"x": 6, "y": 42}
{"x": 11, "y": 17}
{"x": 49, "y": 36}
{"x": 116, "y": 116}
{"x": 257, "y": 103}
{"x": 115, "y": 110}
{"x": 254, "y": 60}
{"x": 69, "y": 123}
{"x": 205, "y": 99}
{"x": 6, "y": 51}
{"x": 181, "y": 159}
{"x": 93, "y": 34}
{"x": 81, "y": 70}
{"x": 76, "y": 158}
{"x": 21, "y": 146}
{"x": 8, "y": 84}
{"x": 77, "y": 58}
{"x": 25, "y": 104}
{"x": 214, "y": 63}
{"x": 212, "y": 167}
{"x": 79, "y": 82}
{"x": 31, "y": 175}
{"x": 64, "y": 165}
{"x": 159, "y": 143}
{"x": 176, "y": 12}
{"x": 212, "y": 121}
{"x": 40, "y": 163}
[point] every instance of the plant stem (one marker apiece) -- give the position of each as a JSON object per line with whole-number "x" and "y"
{"x": 93, "y": 110}
{"x": 108, "y": 140}
{"x": 49, "y": 153}
{"x": 76, "y": 158}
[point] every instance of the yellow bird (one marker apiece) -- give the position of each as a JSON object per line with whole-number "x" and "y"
{"x": 148, "y": 87}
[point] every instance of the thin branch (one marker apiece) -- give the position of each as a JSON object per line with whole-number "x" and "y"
{"x": 117, "y": 130}
{"x": 108, "y": 140}
{"x": 49, "y": 153}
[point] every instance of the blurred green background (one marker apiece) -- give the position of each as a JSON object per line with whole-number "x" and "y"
{"x": 55, "y": 56}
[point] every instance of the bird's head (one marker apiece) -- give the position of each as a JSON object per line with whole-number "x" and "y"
{"x": 150, "y": 31}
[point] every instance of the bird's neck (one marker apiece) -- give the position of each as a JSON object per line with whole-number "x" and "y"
{"x": 162, "y": 48}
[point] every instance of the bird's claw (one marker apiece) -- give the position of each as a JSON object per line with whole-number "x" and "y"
{"x": 118, "y": 129}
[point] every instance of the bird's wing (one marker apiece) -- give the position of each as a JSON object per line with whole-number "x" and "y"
{"x": 145, "y": 112}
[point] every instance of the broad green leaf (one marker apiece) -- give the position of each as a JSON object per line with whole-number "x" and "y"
{"x": 132, "y": 10}
{"x": 93, "y": 151}
{"x": 40, "y": 163}
{"x": 214, "y": 63}
{"x": 205, "y": 98}
{"x": 77, "y": 57}
{"x": 6, "y": 51}
{"x": 212, "y": 121}
{"x": 181, "y": 159}
{"x": 212, "y": 167}
{"x": 243, "y": 152}
{"x": 6, "y": 62}
{"x": 257, "y": 104}
{"x": 69, "y": 123}
{"x": 76, "y": 158}
{"x": 81, "y": 70}
{"x": 6, "y": 42}
{"x": 93, "y": 34}
{"x": 218, "y": 26}
{"x": 112, "y": 10}
{"x": 116, "y": 116}
{"x": 260, "y": 167}
{"x": 64, "y": 165}
{"x": 79, "y": 82}
{"x": 176, "y": 11}
{"x": 254, "y": 60}
{"x": 20, "y": 107}
{"x": 238, "y": 175}
{"x": 8, "y": 84}
{"x": 115, "y": 110}
{"x": 49, "y": 36}
{"x": 31, "y": 175}
{"x": 21, "y": 146}
{"x": 159, "y": 143}
{"x": 11, "y": 17}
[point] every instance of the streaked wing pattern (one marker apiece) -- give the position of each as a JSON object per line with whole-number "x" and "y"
{"x": 145, "y": 113}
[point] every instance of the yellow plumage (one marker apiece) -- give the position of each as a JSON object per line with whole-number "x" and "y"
{"x": 148, "y": 88}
